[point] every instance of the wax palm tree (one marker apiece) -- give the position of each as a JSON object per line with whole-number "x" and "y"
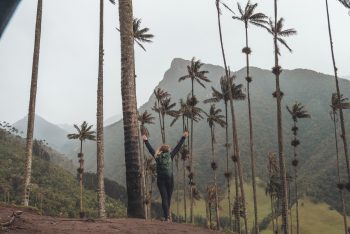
{"x": 278, "y": 32}
{"x": 144, "y": 118}
{"x": 341, "y": 116}
{"x": 187, "y": 111}
{"x": 248, "y": 16}
{"x": 236, "y": 156}
{"x": 223, "y": 95}
{"x": 214, "y": 117}
{"x": 83, "y": 133}
{"x": 99, "y": 128}
{"x": 160, "y": 95}
{"x": 194, "y": 73}
{"x": 128, "y": 90}
{"x": 334, "y": 106}
{"x": 297, "y": 111}
{"x": 31, "y": 112}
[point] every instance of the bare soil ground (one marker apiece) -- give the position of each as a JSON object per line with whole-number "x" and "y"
{"x": 30, "y": 222}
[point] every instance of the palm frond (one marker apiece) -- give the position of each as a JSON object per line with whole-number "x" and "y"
{"x": 283, "y": 42}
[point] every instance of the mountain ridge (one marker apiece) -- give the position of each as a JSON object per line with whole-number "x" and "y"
{"x": 316, "y": 152}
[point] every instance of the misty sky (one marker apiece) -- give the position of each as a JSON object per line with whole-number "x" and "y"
{"x": 182, "y": 28}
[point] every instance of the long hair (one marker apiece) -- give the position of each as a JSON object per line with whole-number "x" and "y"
{"x": 162, "y": 149}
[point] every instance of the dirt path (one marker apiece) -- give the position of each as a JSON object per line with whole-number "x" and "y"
{"x": 30, "y": 223}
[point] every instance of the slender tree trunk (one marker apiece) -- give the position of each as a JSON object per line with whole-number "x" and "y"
{"x": 272, "y": 214}
{"x": 227, "y": 169}
{"x": 143, "y": 176}
{"x": 184, "y": 175}
{"x": 341, "y": 116}
{"x": 208, "y": 214}
{"x": 215, "y": 183}
{"x": 177, "y": 190}
{"x": 237, "y": 204}
{"x": 251, "y": 141}
{"x": 295, "y": 186}
{"x": 31, "y": 109}
{"x": 160, "y": 122}
{"x": 290, "y": 207}
{"x": 81, "y": 172}
{"x": 191, "y": 160}
{"x": 184, "y": 184}
{"x": 234, "y": 131}
{"x": 338, "y": 173}
{"x": 150, "y": 198}
{"x": 133, "y": 180}
{"x": 280, "y": 136}
{"x": 99, "y": 129}
{"x": 163, "y": 128}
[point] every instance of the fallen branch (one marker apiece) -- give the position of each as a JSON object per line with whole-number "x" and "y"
{"x": 12, "y": 220}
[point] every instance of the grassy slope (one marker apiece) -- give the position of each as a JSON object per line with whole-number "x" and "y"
{"x": 316, "y": 218}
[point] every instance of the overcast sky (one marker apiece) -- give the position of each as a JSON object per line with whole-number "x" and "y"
{"x": 182, "y": 28}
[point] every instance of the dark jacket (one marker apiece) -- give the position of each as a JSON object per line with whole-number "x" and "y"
{"x": 171, "y": 154}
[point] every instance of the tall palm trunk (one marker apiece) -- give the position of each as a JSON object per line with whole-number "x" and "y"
{"x": 272, "y": 214}
{"x": 160, "y": 122}
{"x": 31, "y": 111}
{"x": 215, "y": 184}
{"x": 295, "y": 188}
{"x": 184, "y": 184}
{"x": 191, "y": 159}
{"x": 177, "y": 190}
{"x": 283, "y": 176}
{"x": 227, "y": 169}
{"x": 99, "y": 129}
{"x": 163, "y": 128}
{"x": 251, "y": 142}
{"x": 184, "y": 175}
{"x": 143, "y": 175}
{"x": 341, "y": 193}
{"x": 234, "y": 131}
{"x": 81, "y": 171}
{"x": 341, "y": 116}
{"x": 133, "y": 180}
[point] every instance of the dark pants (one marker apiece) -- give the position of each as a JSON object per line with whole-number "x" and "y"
{"x": 165, "y": 186}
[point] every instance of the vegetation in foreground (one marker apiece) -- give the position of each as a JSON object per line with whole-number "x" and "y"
{"x": 54, "y": 192}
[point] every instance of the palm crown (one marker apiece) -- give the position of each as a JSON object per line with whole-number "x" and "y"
{"x": 185, "y": 111}
{"x": 195, "y": 74}
{"x": 281, "y": 33}
{"x": 160, "y": 94}
{"x": 84, "y": 133}
{"x": 141, "y": 35}
{"x": 297, "y": 111}
{"x": 214, "y": 117}
{"x": 248, "y": 16}
{"x": 145, "y": 118}
{"x": 336, "y": 103}
{"x": 166, "y": 107}
{"x": 223, "y": 94}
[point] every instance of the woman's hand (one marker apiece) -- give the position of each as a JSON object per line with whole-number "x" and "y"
{"x": 185, "y": 134}
{"x": 144, "y": 137}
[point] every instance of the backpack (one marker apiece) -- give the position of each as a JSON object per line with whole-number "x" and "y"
{"x": 164, "y": 164}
